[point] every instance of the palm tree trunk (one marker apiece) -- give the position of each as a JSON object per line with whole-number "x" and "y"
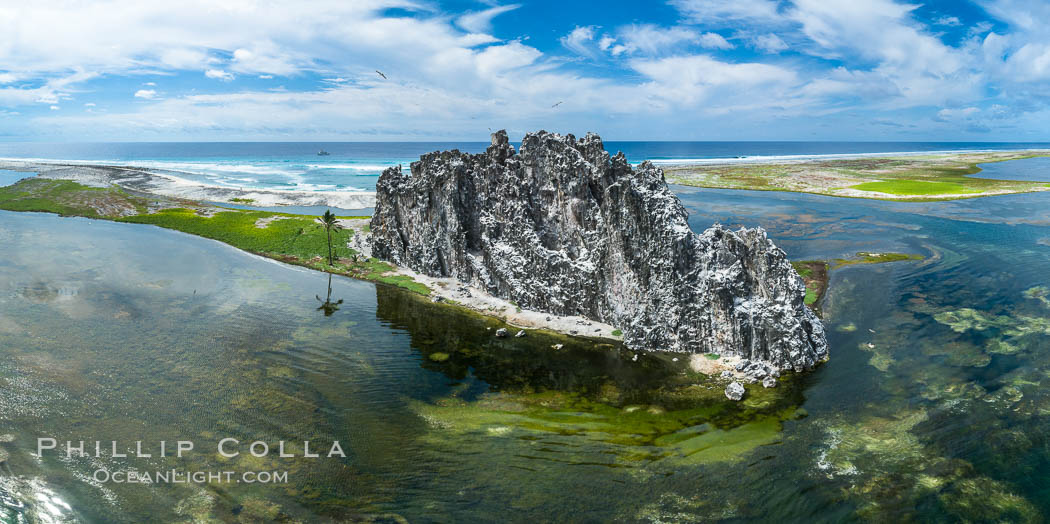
{"x": 329, "y": 245}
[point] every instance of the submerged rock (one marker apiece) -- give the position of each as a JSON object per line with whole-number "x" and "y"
{"x": 519, "y": 334}
{"x": 735, "y": 391}
{"x": 501, "y": 332}
{"x": 564, "y": 228}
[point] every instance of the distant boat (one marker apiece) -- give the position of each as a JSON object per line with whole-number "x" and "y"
{"x": 323, "y": 153}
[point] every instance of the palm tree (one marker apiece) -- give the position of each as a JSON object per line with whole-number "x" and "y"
{"x": 329, "y": 222}
{"x": 327, "y": 305}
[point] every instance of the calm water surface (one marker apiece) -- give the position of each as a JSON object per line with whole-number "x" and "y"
{"x": 934, "y": 405}
{"x": 1030, "y": 169}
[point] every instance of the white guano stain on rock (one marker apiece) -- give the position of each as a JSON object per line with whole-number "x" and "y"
{"x": 562, "y": 227}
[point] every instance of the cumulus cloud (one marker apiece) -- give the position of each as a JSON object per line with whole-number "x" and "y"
{"x": 449, "y": 74}
{"x": 481, "y": 21}
{"x": 579, "y": 40}
{"x": 652, "y": 39}
{"x": 148, "y": 94}
{"x": 219, "y": 74}
{"x": 700, "y": 79}
{"x": 770, "y": 43}
{"x": 918, "y": 65}
{"x": 714, "y": 41}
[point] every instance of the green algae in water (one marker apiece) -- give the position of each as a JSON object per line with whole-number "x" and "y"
{"x": 849, "y": 327}
{"x": 635, "y": 436}
{"x": 513, "y": 427}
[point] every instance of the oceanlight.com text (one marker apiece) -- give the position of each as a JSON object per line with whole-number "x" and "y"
{"x": 190, "y": 477}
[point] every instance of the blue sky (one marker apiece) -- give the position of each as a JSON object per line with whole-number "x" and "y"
{"x": 675, "y": 70}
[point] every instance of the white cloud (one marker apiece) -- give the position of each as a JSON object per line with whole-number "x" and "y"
{"x": 481, "y": 21}
{"x": 714, "y": 41}
{"x": 916, "y": 65}
{"x": 219, "y": 74}
{"x": 651, "y": 39}
{"x": 715, "y": 11}
{"x": 579, "y": 39}
{"x": 770, "y": 43}
{"x": 1029, "y": 63}
{"x": 494, "y": 60}
{"x": 956, "y": 113}
{"x": 265, "y": 57}
{"x": 1027, "y": 15}
{"x": 55, "y": 108}
{"x": 150, "y": 84}
{"x": 181, "y": 58}
{"x": 148, "y": 94}
{"x": 697, "y": 80}
{"x": 449, "y": 75}
{"x": 89, "y": 104}
{"x": 950, "y": 21}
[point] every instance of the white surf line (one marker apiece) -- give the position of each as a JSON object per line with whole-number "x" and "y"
{"x": 760, "y": 159}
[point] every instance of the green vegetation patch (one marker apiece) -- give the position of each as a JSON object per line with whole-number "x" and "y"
{"x": 376, "y": 271}
{"x": 914, "y": 187}
{"x": 283, "y": 235}
{"x": 67, "y": 198}
{"x": 815, "y": 275}
{"x": 915, "y": 178}
{"x": 243, "y": 200}
{"x": 295, "y": 239}
{"x": 874, "y": 258}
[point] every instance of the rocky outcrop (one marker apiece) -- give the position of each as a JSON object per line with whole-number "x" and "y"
{"x": 564, "y": 228}
{"x": 735, "y": 391}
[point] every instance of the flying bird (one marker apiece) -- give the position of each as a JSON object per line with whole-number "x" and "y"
{"x": 556, "y": 105}
{"x": 381, "y": 74}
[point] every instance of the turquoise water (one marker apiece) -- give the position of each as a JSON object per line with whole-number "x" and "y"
{"x": 8, "y": 177}
{"x": 933, "y": 407}
{"x": 355, "y": 166}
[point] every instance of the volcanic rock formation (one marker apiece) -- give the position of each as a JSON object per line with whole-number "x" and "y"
{"x": 562, "y": 227}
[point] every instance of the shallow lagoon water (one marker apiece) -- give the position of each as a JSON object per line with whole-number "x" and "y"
{"x": 1029, "y": 169}
{"x": 8, "y": 177}
{"x": 932, "y": 407}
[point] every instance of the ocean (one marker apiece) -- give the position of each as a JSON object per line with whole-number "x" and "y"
{"x": 355, "y": 166}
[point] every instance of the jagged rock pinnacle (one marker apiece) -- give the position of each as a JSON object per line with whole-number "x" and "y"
{"x": 565, "y": 228}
